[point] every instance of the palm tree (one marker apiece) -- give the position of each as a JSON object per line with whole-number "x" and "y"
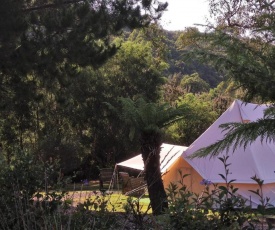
{"x": 145, "y": 121}
{"x": 242, "y": 134}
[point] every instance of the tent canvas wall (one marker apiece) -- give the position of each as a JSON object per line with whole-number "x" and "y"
{"x": 192, "y": 181}
{"x": 257, "y": 159}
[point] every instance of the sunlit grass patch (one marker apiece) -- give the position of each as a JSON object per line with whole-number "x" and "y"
{"x": 96, "y": 200}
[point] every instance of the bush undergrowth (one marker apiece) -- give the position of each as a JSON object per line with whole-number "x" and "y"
{"x": 32, "y": 196}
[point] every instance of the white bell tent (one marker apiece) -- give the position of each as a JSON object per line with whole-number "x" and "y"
{"x": 257, "y": 159}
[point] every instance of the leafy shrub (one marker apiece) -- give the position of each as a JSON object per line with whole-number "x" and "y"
{"x": 93, "y": 214}
{"x": 137, "y": 218}
{"x": 186, "y": 208}
{"x": 217, "y": 207}
{"x": 31, "y": 197}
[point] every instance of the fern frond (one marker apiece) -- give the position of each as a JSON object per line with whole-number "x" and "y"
{"x": 171, "y": 115}
{"x": 142, "y": 116}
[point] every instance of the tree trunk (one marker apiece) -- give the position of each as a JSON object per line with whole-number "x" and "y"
{"x": 150, "y": 148}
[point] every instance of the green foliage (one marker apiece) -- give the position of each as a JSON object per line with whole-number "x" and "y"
{"x": 136, "y": 216}
{"x": 196, "y": 120}
{"x": 146, "y": 117}
{"x": 134, "y": 71}
{"x": 44, "y": 47}
{"x": 238, "y": 46}
{"x": 94, "y": 214}
{"x": 22, "y": 180}
{"x": 262, "y": 208}
{"x": 223, "y": 95}
{"x": 231, "y": 206}
{"x": 157, "y": 39}
{"x": 48, "y": 34}
{"x": 194, "y": 84}
{"x": 31, "y": 198}
{"x": 182, "y": 66}
{"x": 52, "y": 97}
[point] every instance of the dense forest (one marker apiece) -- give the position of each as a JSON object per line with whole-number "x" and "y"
{"x": 64, "y": 114}
{"x": 62, "y": 67}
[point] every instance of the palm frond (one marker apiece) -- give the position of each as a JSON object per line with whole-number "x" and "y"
{"x": 239, "y": 134}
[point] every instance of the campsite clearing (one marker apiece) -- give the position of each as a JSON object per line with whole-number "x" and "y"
{"x": 257, "y": 159}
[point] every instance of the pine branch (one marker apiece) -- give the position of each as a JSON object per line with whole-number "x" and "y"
{"x": 51, "y": 5}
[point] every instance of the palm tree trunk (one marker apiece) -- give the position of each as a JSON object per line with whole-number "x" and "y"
{"x": 150, "y": 148}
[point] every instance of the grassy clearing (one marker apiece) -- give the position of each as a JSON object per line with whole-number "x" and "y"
{"x": 115, "y": 200}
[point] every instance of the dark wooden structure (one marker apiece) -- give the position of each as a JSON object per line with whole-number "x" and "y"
{"x": 132, "y": 186}
{"x": 106, "y": 175}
